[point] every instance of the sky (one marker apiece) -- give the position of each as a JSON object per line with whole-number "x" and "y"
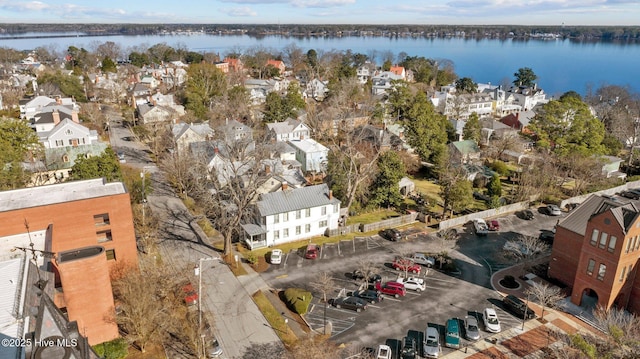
{"x": 463, "y": 12}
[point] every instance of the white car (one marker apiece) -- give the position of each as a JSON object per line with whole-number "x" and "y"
{"x": 413, "y": 283}
{"x": 480, "y": 226}
{"x": 491, "y": 321}
{"x": 276, "y": 256}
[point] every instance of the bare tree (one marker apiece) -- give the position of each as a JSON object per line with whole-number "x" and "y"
{"x": 267, "y": 350}
{"x": 621, "y": 326}
{"x": 316, "y": 347}
{"x": 183, "y": 172}
{"x": 526, "y": 249}
{"x": 324, "y": 283}
{"x": 498, "y": 146}
{"x": 232, "y": 186}
{"x": 546, "y": 295}
{"x": 368, "y": 268}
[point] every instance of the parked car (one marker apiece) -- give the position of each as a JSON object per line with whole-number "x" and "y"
{"x": 359, "y": 275}
{"x": 632, "y": 194}
{"x": 276, "y": 256}
{"x": 431, "y": 347}
{"x": 121, "y": 157}
{"x": 553, "y": 210}
{"x": 494, "y": 225}
{"x": 452, "y": 334}
{"x": 547, "y": 236}
{"x": 312, "y": 251}
{"x": 371, "y": 296}
{"x": 423, "y": 259}
{"x": 518, "y": 307}
{"x": 471, "y": 330}
{"x": 480, "y": 226}
{"x": 384, "y": 352}
{"x": 491, "y": 321}
{"x": 526, "y": 214}
{"x": 406, "y": 264}
{"x": 391, "y": 234}
{"x": 190, "y": 294}
{"x": 391, "y": 288}
{"x": 351, "y": 302}
{"x": 413, "y": 283}
{"x": 215, "y": 350}
{"x": 409, "y": 350}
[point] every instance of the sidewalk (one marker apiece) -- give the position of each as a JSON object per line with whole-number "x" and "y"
{"x": 253, "y": 282}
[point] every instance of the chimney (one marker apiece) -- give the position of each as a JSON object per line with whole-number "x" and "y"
{"x": 56, "y": 117}
{"x": 58, "y": 100}
{"x": 74, "y": 116}
{"x": 267, "y": 169}
{"x": 216, "y": 150}
{"x": 285, "y": 185}
{"x": 330, "y": 194}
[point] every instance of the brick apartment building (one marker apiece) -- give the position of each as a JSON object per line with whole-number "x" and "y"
{"x": 89, "y": 226}
{"x": 595, "y": 252}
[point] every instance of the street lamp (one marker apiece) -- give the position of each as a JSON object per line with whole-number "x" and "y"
{"x": 198, "y": 272}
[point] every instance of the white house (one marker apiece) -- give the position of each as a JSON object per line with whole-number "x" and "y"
{"x": 289, "y": 130}
{"x": 186, "y": 133}
{"x": 311, "y": 154}
{"x": 291, "y": 215}
{"x": 68, "y": 133}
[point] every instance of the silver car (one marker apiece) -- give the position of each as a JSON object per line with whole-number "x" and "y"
{"x": 553, "y": 210}
{"x": 471, "y": 330}
{"x": 431, "y": 345}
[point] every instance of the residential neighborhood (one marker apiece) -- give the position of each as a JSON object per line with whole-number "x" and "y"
{"x": 143, "y": 194}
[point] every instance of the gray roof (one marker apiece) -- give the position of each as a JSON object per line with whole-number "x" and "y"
{"x": 623, "y": 210}
{"x": 295, "y": 199}
{"x": 58, "y": 193}
{"x": 283, "y": 127}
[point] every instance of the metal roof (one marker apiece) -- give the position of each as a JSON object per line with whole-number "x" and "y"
{"x": 11, "y": 280}
{"x": 625, "y": 212}
{"x": 295, "y": 199}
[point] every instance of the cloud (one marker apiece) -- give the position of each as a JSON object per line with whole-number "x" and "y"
{"x": 25, "y": 6}
{"x": 296, "y": 3}
{"x": 242, "y": 11}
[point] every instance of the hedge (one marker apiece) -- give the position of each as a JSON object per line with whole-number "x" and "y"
{"x": 115, "y": 349}
{"x": 298, "y": 299}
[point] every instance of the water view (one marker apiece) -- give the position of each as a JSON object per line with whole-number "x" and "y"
{"x": 561, "y": 65}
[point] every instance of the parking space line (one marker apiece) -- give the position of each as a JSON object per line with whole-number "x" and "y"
{"x": 374, "y": 306}
{"x": 393, "y": 299}
{"x": 414, "y": 293}
{"x": 339, "y": 253}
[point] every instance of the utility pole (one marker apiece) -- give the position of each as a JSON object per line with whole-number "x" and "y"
{"x": 198, "y": 272}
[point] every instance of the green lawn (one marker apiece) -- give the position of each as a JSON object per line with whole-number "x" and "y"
{"x": 371, "y": 217}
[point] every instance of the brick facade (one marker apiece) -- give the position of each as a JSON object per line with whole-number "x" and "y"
{"x": 77, "y": 215}
{"x": 601, "y": 261}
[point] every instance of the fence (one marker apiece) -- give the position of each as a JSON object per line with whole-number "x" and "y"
{"x": 458, "y": 221}
{"x": 391, "y": 222}
{"x": 344, "y": 230}
{"x": 608, "y": 191}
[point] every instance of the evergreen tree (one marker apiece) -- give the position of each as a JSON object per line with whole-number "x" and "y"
{"x": 472, "y": 129}
{"x": 386, "y": 190}
{"x": 426, "y": 130}
{"x": 494, "y": 187}
{"x": 204, "y": 83}
{"x": 106, "y": 165}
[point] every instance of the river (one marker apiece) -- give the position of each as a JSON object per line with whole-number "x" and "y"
{"x": 561, "y": 65}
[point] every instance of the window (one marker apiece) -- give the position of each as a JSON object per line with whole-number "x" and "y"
{"x": 104, "y": 236}
{"x": 285, "y": 217}
{"x": 323, "y": 224}
{"x": 637, "y": 244}
{"x": 612, "y": 243}
{"x": 59, "y": 143}
{"x": 624, "y": 271}
{"x": 101, "y": 219}
{"x": 336, "y": 207}
{"x": 276, "y": 218}
{"x": 298, "y": 214}
{"x": 111, "y": 254}
{"x": 307, "y": 212}
{"x": 603, "y": 240}
{"x": 68, "y": 132}
{"x": 594, "y": 237}
{"x": 307, "y": 228}
{"x": 323, "y": 210}
{"x": 590, "y": 266}
{"x": 276, "y": 235}
{"x": 285, "y": 232}
{"x": 65, "y": 158}
{"x": 628, "y": 245}
{"x": 298, "y": 230}
{"x": 601, "y": 271}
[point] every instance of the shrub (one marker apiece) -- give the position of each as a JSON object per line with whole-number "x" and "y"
{"x": 114, "y": 349}
{"x": 251, "y": 258}
{"x": 500, "y": 167}
{"x": 298, "y": 299}
{"x": 578, "y": 342}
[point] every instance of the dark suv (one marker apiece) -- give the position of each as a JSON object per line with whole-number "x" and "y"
{"x": 408, "y": 348}
{"x": 371, "y": 296}
{"x": 518, "y": 307}
{"x": 391, "y": 234}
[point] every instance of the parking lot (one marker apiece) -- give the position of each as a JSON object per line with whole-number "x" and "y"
{"x": 447, "y": 295}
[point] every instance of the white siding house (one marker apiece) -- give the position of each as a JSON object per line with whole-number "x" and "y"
{"x": 291, "y": 215}
{"x": 311, "y": 155}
